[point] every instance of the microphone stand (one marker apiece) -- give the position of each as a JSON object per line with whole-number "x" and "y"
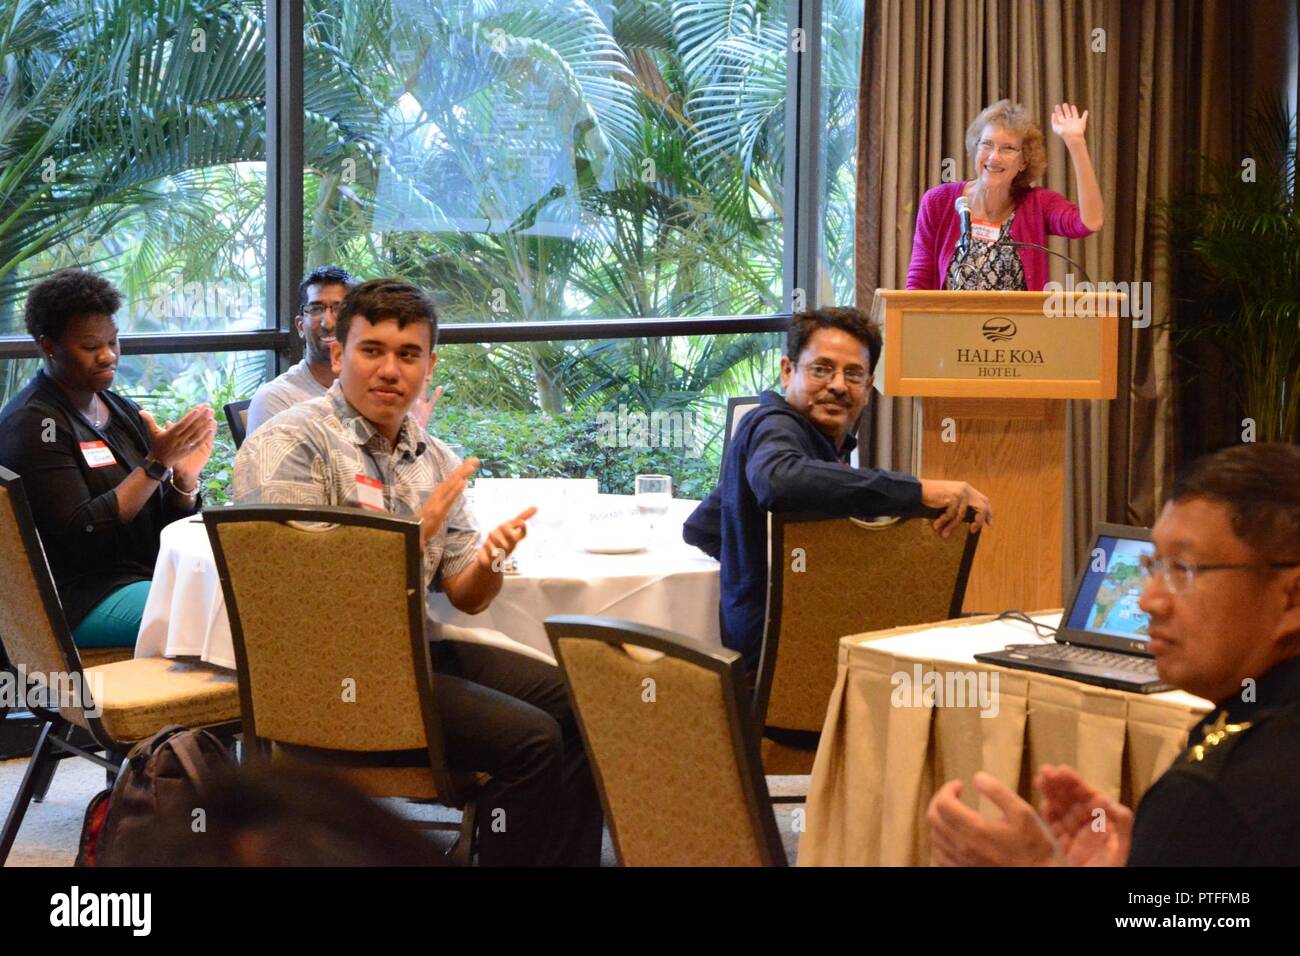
{"x": 1050, "y": 252}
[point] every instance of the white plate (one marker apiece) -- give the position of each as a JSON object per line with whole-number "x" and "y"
{"x": 614, "y": 548}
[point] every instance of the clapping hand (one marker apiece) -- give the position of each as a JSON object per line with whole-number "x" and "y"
{"x": 1067, "y": 123}
{"x": 439, "y": 503}
{"x": 501, "y": 543}
{"x": 1091, "y": 828}
{"x": 186, "y": 446}
{"x": 959, "y": 836}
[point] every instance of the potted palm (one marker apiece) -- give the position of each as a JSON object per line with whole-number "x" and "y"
{"x": 1238, "y": 243}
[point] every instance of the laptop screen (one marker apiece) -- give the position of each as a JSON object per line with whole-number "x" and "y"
{"x": 1105, "y": 610}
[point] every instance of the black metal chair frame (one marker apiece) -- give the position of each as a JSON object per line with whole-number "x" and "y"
{"x": 733, "y": 405}
{"x": 725, "y": 663}
{"x": 60, "y": 738}
{"x": 236, "y": 421}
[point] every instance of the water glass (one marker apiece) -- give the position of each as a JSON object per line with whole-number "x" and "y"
{"x": 654, "y": 493}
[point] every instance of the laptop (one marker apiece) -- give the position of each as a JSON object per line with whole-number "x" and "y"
{"x": 1103, "y": 634}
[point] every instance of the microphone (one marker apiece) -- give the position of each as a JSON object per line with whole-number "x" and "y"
{"x": 962, "y": 206}
{"x": 1050, "y": 252}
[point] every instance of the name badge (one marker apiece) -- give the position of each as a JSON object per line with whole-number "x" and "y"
{"x": 97, "y": 454}
{"x": 984, "y": 231}
{"x": 370, "y": 493}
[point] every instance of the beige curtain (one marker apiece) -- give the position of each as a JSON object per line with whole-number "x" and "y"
{"x": 1161, "y": 79}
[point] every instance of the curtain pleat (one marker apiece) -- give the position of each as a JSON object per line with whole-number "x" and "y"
{"x": 1168, "y": 84}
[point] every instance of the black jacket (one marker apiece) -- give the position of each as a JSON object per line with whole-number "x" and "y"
{"x": 91, "y": 552}
{"x": 779, "y": 462}
{"x": 1236, "y": 800}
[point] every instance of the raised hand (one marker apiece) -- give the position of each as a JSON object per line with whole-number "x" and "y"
{"x": 1067, "y": 123}
{"x": 183, "y": 443}
{"x": 1091, "y": 828}
{"x": 424, "y": 405}
{"x": 503, "y": 540}
{"x": 441, "y": 500}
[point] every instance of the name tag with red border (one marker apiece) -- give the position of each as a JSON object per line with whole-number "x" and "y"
{"x": 97, "y": 454}
{"x": 370, "y": 493}
{"x": 984, "y": 231}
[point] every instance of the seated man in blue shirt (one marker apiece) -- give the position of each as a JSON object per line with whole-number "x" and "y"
{"x": 791, "y": 454}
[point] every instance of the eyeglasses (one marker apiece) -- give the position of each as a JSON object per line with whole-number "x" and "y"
{"x": 989, "y": 146}
{"x": 317, "y": 309}
{"x": 1180, "y": 578}
{"x": 824, "y": 373}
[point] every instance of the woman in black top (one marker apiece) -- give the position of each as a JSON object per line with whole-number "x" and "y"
{"x": 102, "y": 477}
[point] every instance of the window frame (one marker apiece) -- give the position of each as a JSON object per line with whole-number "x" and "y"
{"x": 284, "y": 220}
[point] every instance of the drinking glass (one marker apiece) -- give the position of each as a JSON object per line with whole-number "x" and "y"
{"x": 653, "y": 495}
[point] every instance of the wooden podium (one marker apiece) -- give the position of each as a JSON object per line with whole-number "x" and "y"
{"x": 993, "y": 370}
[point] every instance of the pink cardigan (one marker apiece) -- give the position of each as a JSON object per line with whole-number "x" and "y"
{"x": 1040, "y": 213}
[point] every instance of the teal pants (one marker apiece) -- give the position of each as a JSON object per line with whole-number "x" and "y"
{"x": 114, "y": 621}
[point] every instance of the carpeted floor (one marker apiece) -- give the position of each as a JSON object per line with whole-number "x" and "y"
{"x": 50, "y": 831}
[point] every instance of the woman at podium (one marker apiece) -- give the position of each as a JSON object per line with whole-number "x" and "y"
{"x": 965, "y": 231}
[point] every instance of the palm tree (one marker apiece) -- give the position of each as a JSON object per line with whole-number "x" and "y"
{"x": 1241, "y": 275}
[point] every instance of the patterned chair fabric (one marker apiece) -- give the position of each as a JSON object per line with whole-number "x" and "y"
{"x": 677, "y": 763}
{"x": 141, "y": 696}
{"x": 326, "y": 636}
{"x": 119, "y": 703}
{"x": 833, "y": 577}
{"x": 29, "y": 635}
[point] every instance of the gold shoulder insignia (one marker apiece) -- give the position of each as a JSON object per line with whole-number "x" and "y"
{"x": 1215, "y": 734}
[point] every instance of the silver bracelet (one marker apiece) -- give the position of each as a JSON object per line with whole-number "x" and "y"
{"x": 179, "y": 490}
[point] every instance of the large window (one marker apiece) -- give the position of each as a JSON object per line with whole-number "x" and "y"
{"x": 639, "y": 406}
{"x": 534, "y": 161}
{"x": 131, "y": 142}
{"x": 594, "y": 191}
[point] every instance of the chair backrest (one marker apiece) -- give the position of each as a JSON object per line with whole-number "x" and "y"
{"x": 327, "y": 619}
{"x": 737, "y": 408}
{"x": 237, "y": 418}
{"x": 832, "y": 577}
{"x": 667, "y": 729}
{"x": 33, "y": 630}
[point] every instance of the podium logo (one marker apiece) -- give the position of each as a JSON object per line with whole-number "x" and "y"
{"x": 999, "y": 329}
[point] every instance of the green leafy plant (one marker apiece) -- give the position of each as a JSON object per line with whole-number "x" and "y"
{"x": 1240, "y": 240}
{"x": 528, "y": 445}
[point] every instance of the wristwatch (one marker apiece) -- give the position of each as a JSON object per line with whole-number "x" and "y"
{"x": 156, "y": 470}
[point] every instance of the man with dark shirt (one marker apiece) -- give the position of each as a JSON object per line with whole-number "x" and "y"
{"x": 791, "y": 454}
{"x": 1224, "y": 600}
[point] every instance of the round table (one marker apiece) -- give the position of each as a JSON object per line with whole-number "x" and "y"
{"x": 670, "y": 585}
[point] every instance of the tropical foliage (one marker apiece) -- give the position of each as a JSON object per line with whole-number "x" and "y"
{"x": 1240, "y": 240}
{"x": 522, "y": 159}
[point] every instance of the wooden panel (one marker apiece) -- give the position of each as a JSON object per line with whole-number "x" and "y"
{"x": 1014, "y": 452}
{"x": 1060, "y": 378}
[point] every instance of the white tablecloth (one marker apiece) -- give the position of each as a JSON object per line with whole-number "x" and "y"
{"x": 887, "y": 745}
{"x": 668, "y": 585}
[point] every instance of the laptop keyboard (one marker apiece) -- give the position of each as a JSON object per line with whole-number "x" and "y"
{"x": 1142, "y": 666}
